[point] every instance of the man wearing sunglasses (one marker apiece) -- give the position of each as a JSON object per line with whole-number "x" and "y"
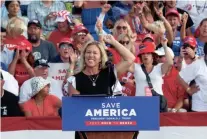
{"x": 80, "y": 35}
{"x": 66, "y": 51}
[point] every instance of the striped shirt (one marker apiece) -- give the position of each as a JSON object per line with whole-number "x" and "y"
{"x": 37, "y": 10}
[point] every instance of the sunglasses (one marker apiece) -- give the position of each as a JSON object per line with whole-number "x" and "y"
{"x": 119, "y": 27}
{"x": 66, "y": 46}
{"x": 124, "y": 42}
{"x": 135, "y": 2}
{"x": 81, "y": 34}
{"x": 161, "y": 56}
{"x": 185, "y": 45}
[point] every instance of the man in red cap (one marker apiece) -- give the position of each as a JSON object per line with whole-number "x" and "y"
{"x": 80, "y": 35}
{"x": 188, "y": 51}
{"x": 66, "y": 52}
{"x": 173, "y": 18}
{"x": 63, "y": 28}
{"x": 172, "y": 4}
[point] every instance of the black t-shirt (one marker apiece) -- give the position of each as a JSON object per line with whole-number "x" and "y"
{"x": 85, "y": 86}
{"x": 9, "y": 105}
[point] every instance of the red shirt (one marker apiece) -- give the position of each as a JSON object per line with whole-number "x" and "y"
{"x": 172, "y": 89}
{"x": 56, "y": 36}
{"x": 48, "y": 108}
{"x": 21, "y": 74}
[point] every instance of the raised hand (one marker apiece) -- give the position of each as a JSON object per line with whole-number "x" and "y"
{"x": 109, "y": 39}
{"x": 190, "y": 52}
{"x": 159, "y": 12}
{"x": 17, "y": 55}
{"x": 73, "y": 57}
{"x": 99, "y": 24}
{"x": 182, "y": 52}
{"x": 23, "y": 55}
{"x": 184, "y": 18}
{"x": 164, "y": 41}
{"x": 106, "y": 7}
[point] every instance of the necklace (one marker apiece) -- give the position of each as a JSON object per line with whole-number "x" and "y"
{"x": 93, "y": 79}
{"x": 198, "y": 7}
{"x": 39, "y": 110}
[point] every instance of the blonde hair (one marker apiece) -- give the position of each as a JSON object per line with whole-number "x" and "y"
{"x": 15, "y": 26}
{"x": 129, "y": 31}
{"x": 104, "y": 57}
{"x": 122, "y": 36}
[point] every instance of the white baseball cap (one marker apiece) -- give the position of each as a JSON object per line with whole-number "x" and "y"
{"x": 161, "y": 52}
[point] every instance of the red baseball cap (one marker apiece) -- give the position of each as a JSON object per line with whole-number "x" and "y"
{"x": 146, "y": 47}
{"x": 79, "y": 28}
{"x": 172, "y": 11}
{"x": 148, "y": 36}
{"x": 190, "y": 40}
{"x": 67, "y": 41}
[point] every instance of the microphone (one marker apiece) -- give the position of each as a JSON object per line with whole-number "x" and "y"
{"x": 109, "y": 65}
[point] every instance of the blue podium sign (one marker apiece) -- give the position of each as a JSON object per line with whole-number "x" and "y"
{"x": 110, "y": 113}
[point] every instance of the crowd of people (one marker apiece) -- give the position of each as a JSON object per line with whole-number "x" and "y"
{"x": 128, "y": 48}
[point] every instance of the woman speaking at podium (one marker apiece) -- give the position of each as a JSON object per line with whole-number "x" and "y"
{"x": 98, "y": 76}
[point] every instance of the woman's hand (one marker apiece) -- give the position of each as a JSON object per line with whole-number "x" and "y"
{"x": 17, "y": 55}
{"x": 193, "y": 89}
{"x": 109, "y": 39}
{"x": 105, "y": 8}
{"x": 190, "y": 52}
{"x": 73, "y": 58}
{"x": 182, "y": 52}
{"x": 99, "y": 25}
{"x": 164, "y": 41}
{"x": 23, "y": 56}
{"x": 184, "y": 19}
{"x": 159, "y": 12}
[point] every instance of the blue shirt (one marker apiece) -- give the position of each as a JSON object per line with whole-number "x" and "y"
{"x": 56, "y": 59}
{"x": 119, "y": 8}
{"x": 177, "y": 43}
{"x": 6, "y": 56}
{"x": 200, "y": 48}
{"x": 37, "y": 10}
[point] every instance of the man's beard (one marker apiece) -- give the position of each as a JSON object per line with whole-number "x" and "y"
{"x": 33, "y": 38}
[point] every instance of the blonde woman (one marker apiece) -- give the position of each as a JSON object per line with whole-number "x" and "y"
{"x": 126, "y": 41}
{"x": 95, "y": 77}
{"x": 15, "y": 27}
{"x": 121, "y": 27}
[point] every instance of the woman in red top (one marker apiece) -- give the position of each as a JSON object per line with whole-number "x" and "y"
{"x": 21, "y": 66}
{"x": 41, "y": 102}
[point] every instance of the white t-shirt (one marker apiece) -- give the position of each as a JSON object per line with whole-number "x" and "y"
{"x": 26, "y": 90}
{"x": 198, "y": 71}
{"x": 141, "y": 81}
{"x": 10, "y": 83}
{"x": 196, "y": 8}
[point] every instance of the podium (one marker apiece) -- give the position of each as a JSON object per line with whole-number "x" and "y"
{"x": 110, "y": 117}
{"x": 109, "y": 135}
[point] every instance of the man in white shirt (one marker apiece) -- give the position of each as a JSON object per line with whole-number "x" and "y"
{"x": 41, "y": 69}
{"x": 198, "y": 71}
